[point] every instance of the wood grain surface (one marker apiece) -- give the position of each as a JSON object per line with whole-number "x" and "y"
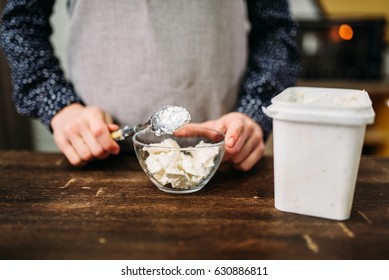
{"x": 110, "y": 210}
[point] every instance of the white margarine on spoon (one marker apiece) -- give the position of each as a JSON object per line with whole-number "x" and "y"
{"x": 165, "y": 120}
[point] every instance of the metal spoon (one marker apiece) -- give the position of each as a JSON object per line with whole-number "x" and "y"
{"x": 165, "y": 120}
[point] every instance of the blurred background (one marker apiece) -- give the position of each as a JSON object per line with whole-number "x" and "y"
{"x": 344, "y": 44}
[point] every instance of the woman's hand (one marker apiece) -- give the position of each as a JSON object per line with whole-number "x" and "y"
{"x": 244, "y": 139}
{"x": 83, "y": 133}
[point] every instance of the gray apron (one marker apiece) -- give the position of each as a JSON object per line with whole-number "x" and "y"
{"x": 131, "y": 57}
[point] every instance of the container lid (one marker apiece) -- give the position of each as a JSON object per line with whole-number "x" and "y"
{"x": 322, "y": 105}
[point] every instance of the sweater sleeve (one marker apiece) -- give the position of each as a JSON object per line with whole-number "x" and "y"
{"x": 273, "y": 61}
{"x": 40, "y": 89}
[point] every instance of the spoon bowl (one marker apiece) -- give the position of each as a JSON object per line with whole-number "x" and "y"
{"x": 165, "y": 120}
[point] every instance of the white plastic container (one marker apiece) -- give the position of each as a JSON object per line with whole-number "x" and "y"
{"x": 318, "y": 135}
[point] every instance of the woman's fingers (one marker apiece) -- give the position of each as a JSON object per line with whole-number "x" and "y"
{"x": 100, "y": 132}
{"x": 251, "y": 152}
{"x": 243, "y": 139}
{"x": 82, "y": 134}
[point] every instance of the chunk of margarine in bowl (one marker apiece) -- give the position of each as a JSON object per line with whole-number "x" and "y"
{"x": 183, "y": 162}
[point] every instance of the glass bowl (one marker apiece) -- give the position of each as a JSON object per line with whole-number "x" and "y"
{"x": 183, "y": 162}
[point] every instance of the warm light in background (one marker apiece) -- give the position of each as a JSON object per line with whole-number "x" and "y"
{"x": 333, "y": 8}
{"x": 346, "y": 32}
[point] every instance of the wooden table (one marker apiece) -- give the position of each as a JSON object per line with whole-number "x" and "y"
{"x": 110, "y": 210}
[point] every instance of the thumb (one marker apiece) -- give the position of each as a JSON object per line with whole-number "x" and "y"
{"x": 113, "y": 127}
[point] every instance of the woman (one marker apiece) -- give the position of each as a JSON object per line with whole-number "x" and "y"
{"x": 222, "y": 60}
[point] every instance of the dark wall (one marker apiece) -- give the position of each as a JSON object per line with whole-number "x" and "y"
{"x": 15, "y": 131}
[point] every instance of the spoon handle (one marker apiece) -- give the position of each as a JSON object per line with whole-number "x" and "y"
{"x": 127, "y": 131}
